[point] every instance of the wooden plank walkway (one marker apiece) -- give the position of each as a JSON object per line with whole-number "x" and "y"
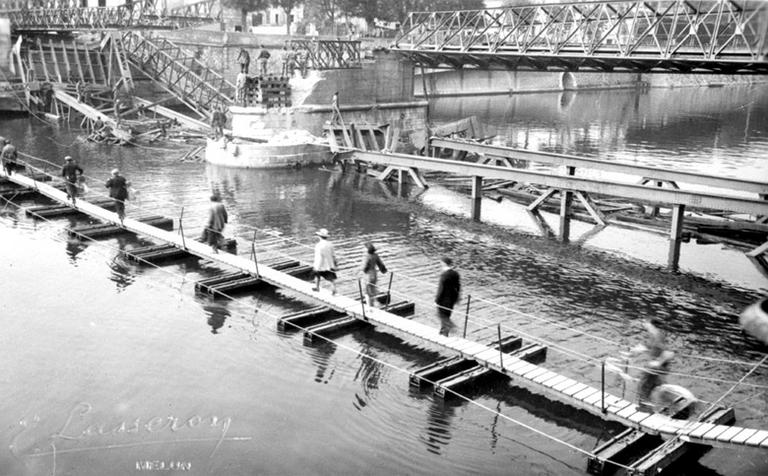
{"x": 536, "y": 377}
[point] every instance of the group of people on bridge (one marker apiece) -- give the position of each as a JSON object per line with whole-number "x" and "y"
{"x": 325, "y": 267}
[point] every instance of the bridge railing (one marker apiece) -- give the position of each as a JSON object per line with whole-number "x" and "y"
{"x": 330, "y": 54}
{"x": 703, "y": 31}
{"x": 176, "y": 69}
{"x": 67, "y": 15}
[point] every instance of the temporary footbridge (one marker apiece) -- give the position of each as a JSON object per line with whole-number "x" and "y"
{"x": 536, "y": 377}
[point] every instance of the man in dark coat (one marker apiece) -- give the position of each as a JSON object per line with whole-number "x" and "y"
{"x": 70, "y": 172}
{"x": 118, "y": 190}
{"x": 448, "y": 294}
{"x": 244, "y": 59}
{"x": 217, "y": 219}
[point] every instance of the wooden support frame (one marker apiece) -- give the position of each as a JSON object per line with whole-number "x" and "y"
{"x": 592, "y": 208}
{"x": 675, "y": 235}
{"x": 402, "y": 171}
{"x": 66, "y": 61}
{"x": 55, "y": 60}
{"x": 759, "y": 257}
{"x": 42, "y": 60}
{"x": 477, "y": 198}
{"x": 534, "y": 206}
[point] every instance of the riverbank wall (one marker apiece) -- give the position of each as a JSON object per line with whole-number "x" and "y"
{"x": 462, "y": 82}
{"x": 8, "y": 101}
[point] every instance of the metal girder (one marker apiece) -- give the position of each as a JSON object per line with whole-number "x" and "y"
{"x": 569, "y": 182}
{"x": 67, "y": 15}
{"x": 706, "y": 36}
{"x": 488, "y": 150}
{"x": 330, "y": 54}
{"x": 190, "y": 80}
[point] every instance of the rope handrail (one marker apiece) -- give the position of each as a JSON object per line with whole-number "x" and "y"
{"x": 542, "y": 341}
{"x": 276, "y": 318}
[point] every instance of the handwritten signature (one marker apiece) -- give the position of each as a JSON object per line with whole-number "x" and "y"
{"x": 81, "y": 429}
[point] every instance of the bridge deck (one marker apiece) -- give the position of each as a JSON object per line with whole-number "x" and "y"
{"x": 712, "y": 201}
{"x": 733, "y": 184}
{"x": 537, "y": 377}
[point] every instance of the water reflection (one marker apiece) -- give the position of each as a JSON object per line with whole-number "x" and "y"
{"x": 218, "y": 313}
{"x": 713, "y": 130}
{"x": 121, "y": 273}
{"x": 321, "y": 356}
{"x": 437, "y": 428}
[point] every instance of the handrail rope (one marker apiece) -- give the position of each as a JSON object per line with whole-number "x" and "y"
{"x": 712, "y": 405}
{"x": 362, "y": 355}
{"x": 596, "y": 361}
{"x": 587, "y": 334}
{"x": 570, "y": 352}
{"x": 565, "y": 350}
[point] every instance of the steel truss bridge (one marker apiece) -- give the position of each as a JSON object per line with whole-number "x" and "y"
{"x": 66, "y": 15}
{"x": 679, "y": 36}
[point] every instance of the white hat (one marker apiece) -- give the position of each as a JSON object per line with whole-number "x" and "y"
{"x": 115, "y": 171}
{"x": 322, "y": 233}
{"x": 69, "y": 157}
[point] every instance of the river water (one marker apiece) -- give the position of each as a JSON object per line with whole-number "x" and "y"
{"x": 107, "y": 365}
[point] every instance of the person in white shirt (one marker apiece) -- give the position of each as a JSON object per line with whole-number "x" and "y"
{"x": 324, "y": 265}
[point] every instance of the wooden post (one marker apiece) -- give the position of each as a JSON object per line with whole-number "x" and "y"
{"x": 675, "y": 234}
{"x": 362, "y": 298}
{"x": 181, "y": 229}
{"x": 602, "y": 387}
{"x": 43, "y": 62}
{"x": 253, "y": 254}
{"x": 501, "y": 354}
{"x": 477, "y": 197}
{"x": 389, "y": 288}
{"x": 466, "y": 315}
{"x": 566, "y": 199}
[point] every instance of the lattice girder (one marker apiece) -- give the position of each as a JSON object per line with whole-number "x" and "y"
{"x": 66, "y": 15}
{"x": 707, "y": 35}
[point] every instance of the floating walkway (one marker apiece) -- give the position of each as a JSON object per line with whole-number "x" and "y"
{"x": 537, "y": 378}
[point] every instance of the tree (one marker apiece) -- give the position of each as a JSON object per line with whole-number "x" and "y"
{"x": 246, "y": 6}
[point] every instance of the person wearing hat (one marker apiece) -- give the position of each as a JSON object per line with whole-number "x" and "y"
{"x": 217, "y": 219}
{"x": 448, "y": 294}
{"x": 118, "y": 190}
{"x": 324, "y": 265}
{"x": 9, "y": 156}
{"x": 70, "y": 172}
{"x": 372, "y": 264}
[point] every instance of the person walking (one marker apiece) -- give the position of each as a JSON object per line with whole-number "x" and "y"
{"x": 324, "y": 265}
{"x": 118, "y": 191}
{"x": 261, "y": 61}
{"x": 656, "y": 365}
{"x": 240, "y": 97}
{"x": 448, "y": 294}
{"x": 335, "y": 113}
{"x": 9, "y": 157}
{"x": 372, "y": 264}
{"x": 217, "y": 219}
{"x": 244, "y": 59}
{"x": 72, "y": 173}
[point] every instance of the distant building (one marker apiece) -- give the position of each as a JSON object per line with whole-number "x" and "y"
{"x": 273, "y": 20}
